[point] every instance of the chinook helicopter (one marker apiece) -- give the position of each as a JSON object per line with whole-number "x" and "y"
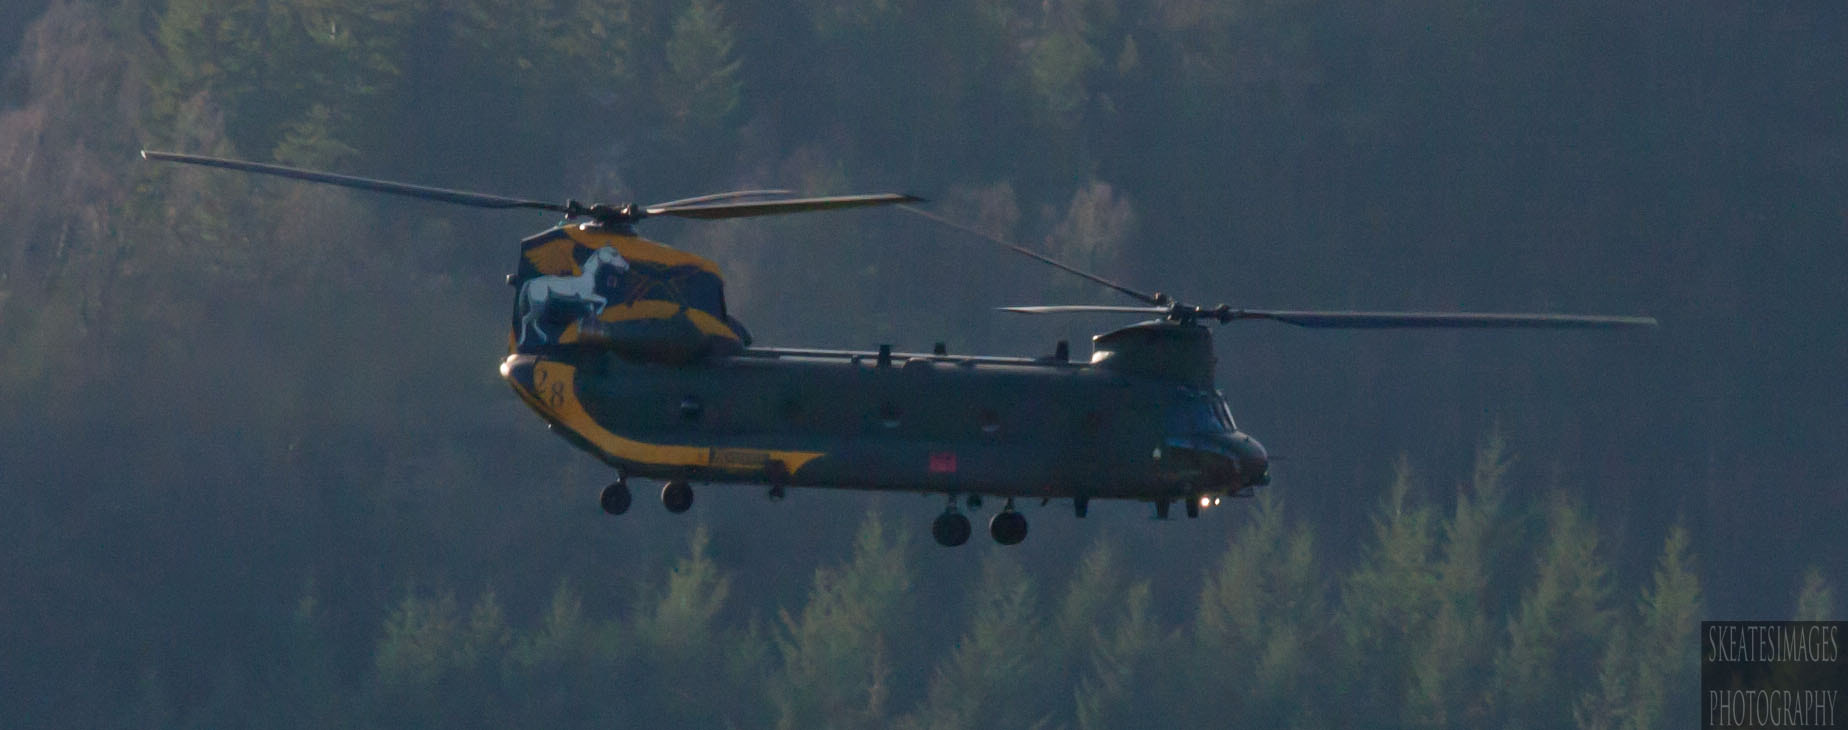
{"x": 625, "y": 348}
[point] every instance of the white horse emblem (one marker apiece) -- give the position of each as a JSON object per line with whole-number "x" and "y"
{"x": 541, "y": 295}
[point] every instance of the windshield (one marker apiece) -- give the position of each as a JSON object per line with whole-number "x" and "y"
{"x": 1200, "y": 411}
{"x": 1225, "y": 411}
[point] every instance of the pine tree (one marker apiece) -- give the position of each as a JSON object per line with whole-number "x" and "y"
{"x": 690, "y": 662}
{"x": 1649, "y": 670}
{"x": 1096, "y": 228}
{"x": 1815, "y": 602}
{"x": 304, "y": 687}
{"x": 1560, "y": 628}
{"x": 1445, "y": 692}
{"x": 1258, "y": 622}
{"x": 438, "y": 667}
{"x": 998, "y": 674}
{"x": 299, "y": 81}
{"x": 559, "y": 673}
{"x": 836, "y": 663}
{"x": 1389, "y": 602}
{"x": 1112, "y": 693}
{"x": 1067, "y": 55}
{"x": 701, "y": 88}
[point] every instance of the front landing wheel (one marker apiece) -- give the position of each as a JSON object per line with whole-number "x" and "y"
{"x": 950, "y": 529}
{"x": 1008, "y": 527}
{"x": 615, "y": 497}
{"x": 677, "y": 496}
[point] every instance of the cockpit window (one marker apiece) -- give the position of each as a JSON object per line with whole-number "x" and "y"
{"x": 1201, "y": 412}
{"x": 1225, "y": 411}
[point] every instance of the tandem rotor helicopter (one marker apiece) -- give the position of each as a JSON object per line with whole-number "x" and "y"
{"x": 625, "y": 348}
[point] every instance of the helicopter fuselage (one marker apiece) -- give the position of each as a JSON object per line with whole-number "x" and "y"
{"x": 1009, "y": 427}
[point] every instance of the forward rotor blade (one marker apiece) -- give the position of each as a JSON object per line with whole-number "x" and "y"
{"x": 441, "y": 195}
{"x": 1071, "y": 308}
{"x": 776, "y": 207}
{"x": 1035, "y": 255}
{"x": 717, "y": 196}
{"x": 1406, "y": 320}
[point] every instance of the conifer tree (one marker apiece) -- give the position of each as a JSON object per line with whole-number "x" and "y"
{"x": 1113, "y": 691}
{"x": 1559, "y": 630}
{"x": 1095, "y": 589}
{"x": 438, "y": 667}
{"x": 1815, "y": 602}
{"x": 304, "y": 688}
{"x": 701, "y": 86}
{"x": 689, "y": 661}
{"x": 997, "y": 674}
{"x": 1444, "y": 691}
{"x": 836, "y": 663}
{"x": 1259, "y": 618}
{"x": 560, "y": 672}
{"x": 1387, "y": 603}
{"x": 300, "y": 82}
{"x": 1649, "y": 666}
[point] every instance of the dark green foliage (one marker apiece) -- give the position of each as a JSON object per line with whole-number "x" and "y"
{"x": 1563, "y": 619}
{"x": 296, "y": 80}
{"x": 1815, "y": 601}
{"x": 836, "y": 652}
{"x": 1100, "y": 656}
{"x": 1649, "y": 663}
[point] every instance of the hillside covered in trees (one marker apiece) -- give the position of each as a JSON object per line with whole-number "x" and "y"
{"x": 259, "y": 470}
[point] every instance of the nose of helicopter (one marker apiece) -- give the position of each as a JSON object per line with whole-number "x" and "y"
{"x": 1253, "y": 462}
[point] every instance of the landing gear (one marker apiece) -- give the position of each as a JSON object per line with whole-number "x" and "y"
{"x": 951, "y": 528}
{"x": 677, "y": 496}
{"x": 615, "y": 497}
{"x": 1193, "y": 507}
{"x": 1008, "y": 527}
{"x": 1081, "y": 506}
{"x": 1161, "y": 509}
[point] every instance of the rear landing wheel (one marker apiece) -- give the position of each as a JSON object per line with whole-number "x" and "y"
{"x": 1008, "y": 527}
{"x": 950, "y": 529}
{"x": 615, "y": 497}
{"x": 1081, "y": 506}
{"x": 677, "y": 496}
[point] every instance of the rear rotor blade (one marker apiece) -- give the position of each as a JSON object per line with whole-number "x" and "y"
{"x": 1407, "y": 320}
{"x": 715, "y": 197}
{"x": 441, "y": 195}
{"x": 1156, "y": 299}
{"x": 775, "y": 207}
{"x": 1071, "y": 308}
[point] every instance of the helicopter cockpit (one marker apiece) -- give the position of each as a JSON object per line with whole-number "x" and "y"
{"x": 1200, "y": 425}
{"x": 1201, "y": 411}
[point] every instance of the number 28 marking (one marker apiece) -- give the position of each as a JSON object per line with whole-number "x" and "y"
{"x": 552, "y": 391}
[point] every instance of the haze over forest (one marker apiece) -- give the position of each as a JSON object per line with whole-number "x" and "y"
{"x": 259, "y": 469}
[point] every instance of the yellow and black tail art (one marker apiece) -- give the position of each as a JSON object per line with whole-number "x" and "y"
{"x": 581, "y": 285}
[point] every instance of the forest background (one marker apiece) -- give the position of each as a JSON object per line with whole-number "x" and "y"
{"x": 259, "y": 471}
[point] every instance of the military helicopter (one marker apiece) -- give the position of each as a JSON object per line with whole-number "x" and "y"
{"x": 625, "y": 348}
